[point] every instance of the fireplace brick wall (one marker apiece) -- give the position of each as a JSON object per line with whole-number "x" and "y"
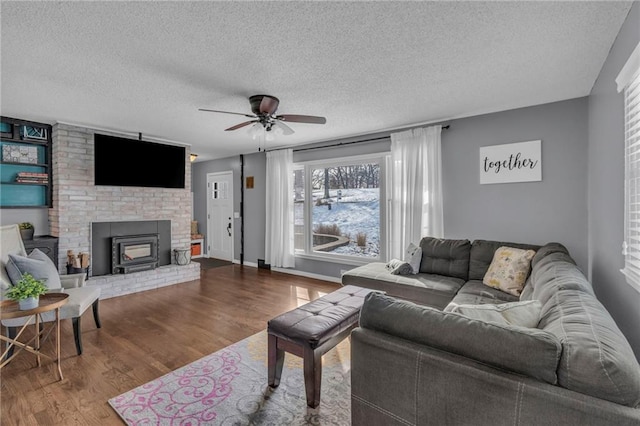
{"x": 77, "y": 202}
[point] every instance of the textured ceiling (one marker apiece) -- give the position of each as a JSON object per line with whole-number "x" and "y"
{"x": 366, "y": 66}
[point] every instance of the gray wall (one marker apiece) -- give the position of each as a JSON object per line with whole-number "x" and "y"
{"x": 38, "y": 217}
{"x": 606, "y": 184}
{"x": 554, "y": 209}
{"x": 254, "y": 209}
{"x": 254, "y": 165}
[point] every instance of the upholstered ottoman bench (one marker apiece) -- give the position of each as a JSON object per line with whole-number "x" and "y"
{"x": 310, "y": 331}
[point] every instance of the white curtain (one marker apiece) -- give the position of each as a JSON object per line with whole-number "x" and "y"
{"x": 279, "y": 249}
{"x": 416, "y": 188}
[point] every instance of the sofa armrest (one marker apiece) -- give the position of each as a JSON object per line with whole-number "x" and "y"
{"x": 502, "y": 346}
{"x": 72, "y": 280}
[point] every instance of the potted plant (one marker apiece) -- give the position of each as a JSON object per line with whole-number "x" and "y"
{"x": 26, "y": 231}
{"x": 27, "y": 291}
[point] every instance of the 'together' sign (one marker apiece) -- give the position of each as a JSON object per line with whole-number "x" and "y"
{"x": 513, "y": 162}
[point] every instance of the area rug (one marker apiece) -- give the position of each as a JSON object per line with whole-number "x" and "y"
{"x": 210, "y": 262}
{"x": 229, "y": 387}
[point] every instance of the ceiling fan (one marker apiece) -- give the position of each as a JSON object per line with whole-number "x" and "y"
{"x": 264, "y": 108}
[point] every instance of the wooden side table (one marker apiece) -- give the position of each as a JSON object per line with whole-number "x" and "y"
{"x": 48, "y": 302}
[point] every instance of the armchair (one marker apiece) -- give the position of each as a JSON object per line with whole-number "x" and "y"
{"x": 80, "y": 296}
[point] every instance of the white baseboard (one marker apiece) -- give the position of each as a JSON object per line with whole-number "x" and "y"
{"x": 308, "y": 275}
{"x": 252, "y": 264}
{"x": 295, "y": 272}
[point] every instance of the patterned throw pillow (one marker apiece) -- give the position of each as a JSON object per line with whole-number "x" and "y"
{"x": 509, "y": 269}
{"x": 413, "y": 256}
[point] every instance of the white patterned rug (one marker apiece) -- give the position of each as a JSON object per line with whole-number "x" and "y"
{"x": 229, "y": 387}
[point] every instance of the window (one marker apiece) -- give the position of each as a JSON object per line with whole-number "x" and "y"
{"x": 338, "y": 210}
{"x": 629, "y": 82}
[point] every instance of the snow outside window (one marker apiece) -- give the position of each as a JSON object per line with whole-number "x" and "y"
{"x": 338, "y": 213}
{"x": 629, "y": 82}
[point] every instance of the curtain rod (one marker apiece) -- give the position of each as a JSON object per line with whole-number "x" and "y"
{"x": 342, "y": 143}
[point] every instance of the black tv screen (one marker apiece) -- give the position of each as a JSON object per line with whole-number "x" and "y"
{"x": 132, "y": 162}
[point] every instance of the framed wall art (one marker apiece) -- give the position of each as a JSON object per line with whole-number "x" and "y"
{"x": 512, "y": 162}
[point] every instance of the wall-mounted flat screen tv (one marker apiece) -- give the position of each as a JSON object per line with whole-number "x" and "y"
{"x": 132, "y": 162}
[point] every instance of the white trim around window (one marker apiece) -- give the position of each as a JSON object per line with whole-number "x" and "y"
{"x": 308, "y": 166}
{"x": 628, "y": 81}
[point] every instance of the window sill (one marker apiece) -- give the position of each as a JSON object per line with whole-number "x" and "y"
{"x": 632, "y": 279}
{"x": 337, "y": 259}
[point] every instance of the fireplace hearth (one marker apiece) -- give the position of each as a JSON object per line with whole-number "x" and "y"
{"x": 134, "y": 253}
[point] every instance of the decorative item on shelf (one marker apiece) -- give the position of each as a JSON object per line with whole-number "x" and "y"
{"x": 78, "y": 264}
{"x": 20, "y": 154}
{"x": 26, "y": 231}
{"x": 27, "y": 292}
{"x": 194, "y": 227}
{"x": 33, "y": 132}
{"x": 182, "y": 255}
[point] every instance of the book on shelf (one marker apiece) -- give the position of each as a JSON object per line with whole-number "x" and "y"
{"x": 33, "y": 175}
{"x": 40, "y": 181}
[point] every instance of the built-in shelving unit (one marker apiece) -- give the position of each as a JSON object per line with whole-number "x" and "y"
{"x": 25, "y": 164}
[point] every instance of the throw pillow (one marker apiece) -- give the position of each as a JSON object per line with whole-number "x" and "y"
{"x": 523, "y": 314}
{"x": 413, "y": 256}
{"x": 509, "y": 269}
{"x": 37, "y": 264}
{"x": 398, "y": 267}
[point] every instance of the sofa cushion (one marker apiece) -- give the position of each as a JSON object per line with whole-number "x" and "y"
{"x": 509, "y": 269}
{"x": 522, "y": 314}
{"x": 474, "y": 292}
{"x": 501, "y": 346}
{"x": 481, "y": 255}
{"x": 596, "y": 359}
{"x": 445, "y": 257}
{"x": 427, "y": 289}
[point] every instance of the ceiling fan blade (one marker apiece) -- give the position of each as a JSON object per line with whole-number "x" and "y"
{"x": 268, "y": 105}
{"x": 226, "y": 112}
{"x": 286, "y": 130}
{"x": 238, "y": 126}
{"x": 294, "y": 118}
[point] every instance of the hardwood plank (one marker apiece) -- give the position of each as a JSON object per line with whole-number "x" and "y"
{"x": 144, "y": 336}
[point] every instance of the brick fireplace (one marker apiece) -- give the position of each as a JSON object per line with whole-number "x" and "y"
{"x": 77, "y": 203}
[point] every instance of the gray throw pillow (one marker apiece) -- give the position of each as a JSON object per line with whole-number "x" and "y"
{"x": 37, "y": 264}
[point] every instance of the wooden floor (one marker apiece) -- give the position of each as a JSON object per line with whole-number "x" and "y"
{"x": 144, "y": 336}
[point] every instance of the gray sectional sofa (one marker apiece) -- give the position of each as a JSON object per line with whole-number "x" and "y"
{"x": 413, "y": 362}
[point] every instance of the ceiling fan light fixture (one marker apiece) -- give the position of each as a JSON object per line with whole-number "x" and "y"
{"x": 255, "y": 131}
{"x": 265, "y": 121}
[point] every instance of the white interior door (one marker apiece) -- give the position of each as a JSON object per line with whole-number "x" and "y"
{"x": 220, "y": 215}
